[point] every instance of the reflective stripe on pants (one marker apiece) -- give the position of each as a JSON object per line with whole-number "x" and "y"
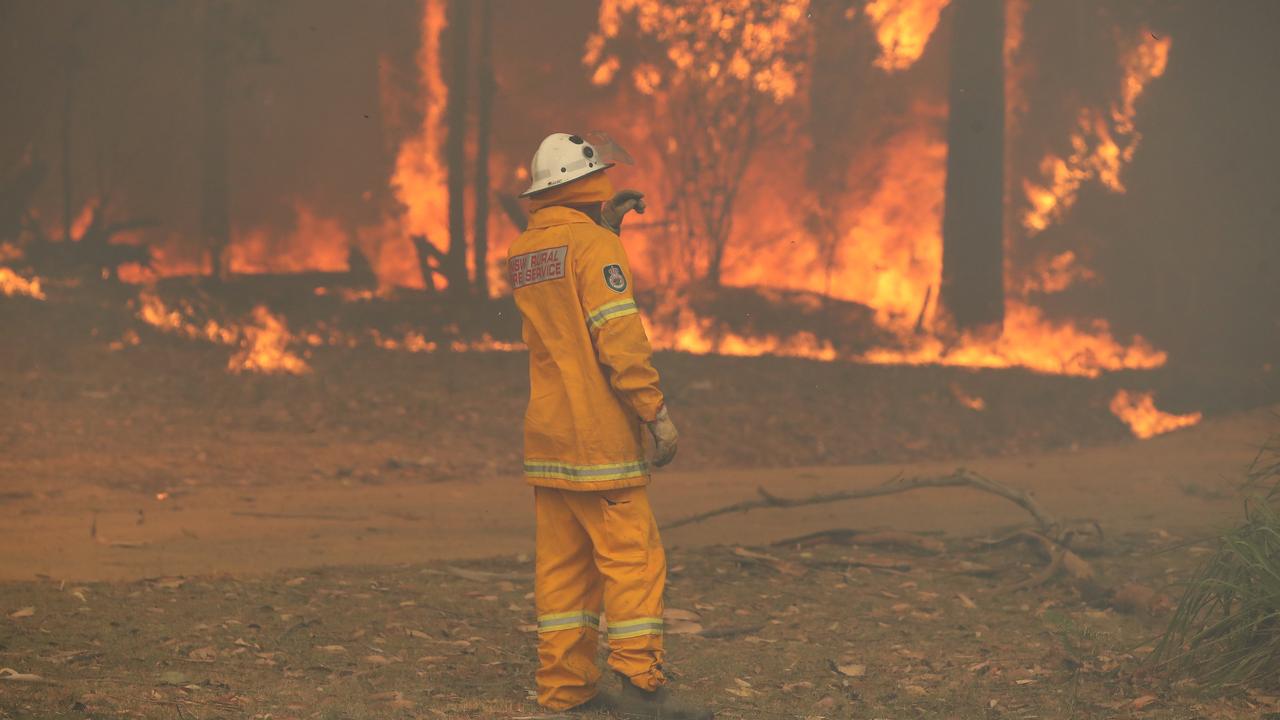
{"x": 596, "y": 551}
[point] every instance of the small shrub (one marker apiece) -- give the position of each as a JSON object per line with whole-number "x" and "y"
{"x": 1226, "y": 628}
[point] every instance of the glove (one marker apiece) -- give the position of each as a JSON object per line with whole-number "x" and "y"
{"x": 624, "y": 201}
{"x": 665, "y": 437}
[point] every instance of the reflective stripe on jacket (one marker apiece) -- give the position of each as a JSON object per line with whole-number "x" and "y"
{"x": 590, "y": 378}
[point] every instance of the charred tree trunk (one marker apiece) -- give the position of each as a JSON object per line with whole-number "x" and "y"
{"x": 485, "y": 82}
{"x": 66, "y": 145}
{"x": 455, "y": 266}
{"x": 429, "y": 260}
{"x": 972, "y": 226}
{"x": 215, "y": 206}
{"x": 841, "y": 41}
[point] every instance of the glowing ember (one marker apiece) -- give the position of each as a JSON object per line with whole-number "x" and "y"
{"x": 129, "y": 338}
{"x": 903, "y": 28}
{"x": 1139, "y": 412}
{"x": 10, "y": 252}
{"x": 972, "y": 402}
{"x": 12, "y": 284}
{"x": 83, "y": 219}
{"x": 1103, "y": 144}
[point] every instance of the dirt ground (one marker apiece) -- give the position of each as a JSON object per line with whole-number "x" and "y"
{"x": 177, "y": 542}
{"x": 815, "y": 632}
{"x": 1182, "y": 482}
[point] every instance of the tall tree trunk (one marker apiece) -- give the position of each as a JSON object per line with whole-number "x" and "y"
{"x": 972, "y": 226}
{"x": 485, "y": 88}
{"x": 215, "y": 206}
{"x": 66, "y": 144}
{"x": 841, "y": 41}
{"x": 455, "y": 269}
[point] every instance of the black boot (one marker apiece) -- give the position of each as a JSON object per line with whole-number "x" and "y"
{"x": 632, "y": 703}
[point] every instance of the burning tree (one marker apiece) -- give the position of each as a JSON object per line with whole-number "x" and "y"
{"x": 718, "y": 74}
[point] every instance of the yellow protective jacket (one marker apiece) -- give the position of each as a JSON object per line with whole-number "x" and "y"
{"x": 590, "y": 377}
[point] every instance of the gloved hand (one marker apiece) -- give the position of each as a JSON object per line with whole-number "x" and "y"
{"x": 665, "y": 437}
{"x": 624, "y": 201}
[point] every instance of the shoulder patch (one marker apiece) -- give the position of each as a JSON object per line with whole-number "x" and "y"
{"x": 537, "y": 266}
{"x": 615, "y": 278}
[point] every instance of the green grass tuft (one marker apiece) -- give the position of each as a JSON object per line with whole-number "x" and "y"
{"x": 1226, "y": 628}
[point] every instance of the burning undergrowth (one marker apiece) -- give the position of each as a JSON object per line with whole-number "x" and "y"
{"x": 276, "y": 325}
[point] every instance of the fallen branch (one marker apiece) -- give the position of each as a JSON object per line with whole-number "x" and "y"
{"x": 960, "y": 478}
{"x": 1052, "y": 538}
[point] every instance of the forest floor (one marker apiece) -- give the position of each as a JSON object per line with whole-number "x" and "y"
{"x": 815, "y": 632}
{"x": 178, "y": 542}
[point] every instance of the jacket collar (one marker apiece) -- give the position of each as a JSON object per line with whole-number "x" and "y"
{"x": 556, "y": 215}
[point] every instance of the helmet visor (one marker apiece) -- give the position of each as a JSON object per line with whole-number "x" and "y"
{"x": 607, "y": 149}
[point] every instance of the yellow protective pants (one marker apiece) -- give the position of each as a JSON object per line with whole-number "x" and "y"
{"x": 596, "y": 550}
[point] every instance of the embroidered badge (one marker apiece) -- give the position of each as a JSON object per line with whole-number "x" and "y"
{"x": 536, "y": 266}
{"x": 614, "y": 278}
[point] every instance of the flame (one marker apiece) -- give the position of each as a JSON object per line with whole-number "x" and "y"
{"x": 889, "y": 254}
{"x": 262, "y": 343}
{"x": 264, "y": 347}
{"x": 1103, "y": 144}
{"x": 892, "y": 247}
{"x": 1139, "y": 412}
{"x": 697, "y": 336}
{"x": 710, "y": 41}
{"x": 12, "y": 284}
{"x": 1030, "y": 341}
{"x": 316, "y": 244}
{"x": 1056, "y": 274}
{"x": 419, "y": 179}
{"x": 903, "y": 28}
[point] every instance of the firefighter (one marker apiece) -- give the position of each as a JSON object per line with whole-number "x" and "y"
{"x": 593, "y": 393}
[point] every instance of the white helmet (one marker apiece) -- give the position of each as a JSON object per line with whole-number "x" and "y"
{"x": 563, "y": 157}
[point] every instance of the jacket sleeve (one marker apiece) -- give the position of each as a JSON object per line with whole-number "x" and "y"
{"x": 609, "y": 307}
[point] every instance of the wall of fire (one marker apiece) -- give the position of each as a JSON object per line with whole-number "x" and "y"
{"x": 1141, "y": 156}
